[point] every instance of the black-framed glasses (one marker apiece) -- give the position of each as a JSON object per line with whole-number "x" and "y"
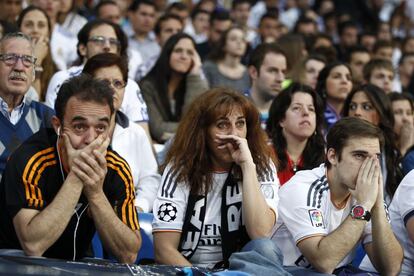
{"x": 101, "y": 40}
{"x": 117, "y": 84}
{"x": 11, "y": 59}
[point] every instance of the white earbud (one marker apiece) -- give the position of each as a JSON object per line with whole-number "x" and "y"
{"x": 58, "y": 131}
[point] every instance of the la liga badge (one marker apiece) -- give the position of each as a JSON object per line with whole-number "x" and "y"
{"x": 316, "y": 218}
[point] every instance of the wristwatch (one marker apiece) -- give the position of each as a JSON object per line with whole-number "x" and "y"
{"x": 359, "y": 212}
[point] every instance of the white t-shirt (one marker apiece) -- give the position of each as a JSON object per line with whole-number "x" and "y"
{"x": 133, "y": 104}
{"x": 306, "y": 210}
{"x": 400, "y": 211}
{"x": 131, "y": 142}
{"x": 171, "y": 204}
{"x": 63, "y": 48}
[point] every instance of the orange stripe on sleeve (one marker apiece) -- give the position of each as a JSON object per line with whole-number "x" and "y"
{"x": 27, "y": 169}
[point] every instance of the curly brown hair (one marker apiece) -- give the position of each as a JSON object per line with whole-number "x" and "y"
{"x": 189, "y": 156}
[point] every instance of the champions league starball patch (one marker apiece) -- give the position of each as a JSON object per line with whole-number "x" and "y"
{"x": 167, "y": 212}
{"x": 316, "y": 218}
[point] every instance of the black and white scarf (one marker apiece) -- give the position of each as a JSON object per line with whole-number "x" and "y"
{"x": 233, "y": 232}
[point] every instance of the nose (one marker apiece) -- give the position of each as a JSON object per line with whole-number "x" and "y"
{"x": 357, "y": 112}
{"x": 19, "y": 66}
{"x": 90, "y": 135}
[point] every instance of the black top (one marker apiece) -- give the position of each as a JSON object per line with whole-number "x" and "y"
{"x": 33, "y": 177}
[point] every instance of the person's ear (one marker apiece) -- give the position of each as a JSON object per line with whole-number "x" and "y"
{"x": 56, "y": 125}
{"x": 332, "y": 156}
{"x": 82, "y": 50}
{"x": 253, "y": 72}
{"x": 33, "y": 73}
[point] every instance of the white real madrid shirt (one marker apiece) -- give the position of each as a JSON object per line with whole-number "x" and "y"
{"x": 171, "y": 204}
{"x": 306, "y": 210}
{"x": 400, "y": 211}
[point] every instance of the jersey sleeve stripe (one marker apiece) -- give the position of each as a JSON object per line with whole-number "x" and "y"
{"x": 119, "y": 159}
{"x": 126, "y": 171}
{"x": 129, "y": 199}
{"x": 28, "y": 169}
{"x": 39, "y": 202}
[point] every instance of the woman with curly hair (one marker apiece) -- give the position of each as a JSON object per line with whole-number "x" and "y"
{"x": 369, "y": 102}
{"x": 295, "y": 128}
{"x": 219, "y": 187}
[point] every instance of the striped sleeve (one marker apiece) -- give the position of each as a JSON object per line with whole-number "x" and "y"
{"x": 32, "y": 173}
{"x": 125, "y": 193}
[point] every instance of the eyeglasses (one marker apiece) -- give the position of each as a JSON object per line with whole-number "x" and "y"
{"x": 101, "y": 41}
{"x": 117, "y": 84}
{"x": 11, "y": 59}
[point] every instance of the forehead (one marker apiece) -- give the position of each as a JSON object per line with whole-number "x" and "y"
{"x": 145, "y": 7}
{"x": 403, "y": 104}
{"x": 86, "y": 109}
{"x": 35, "y": 15}
{"x": 315, "y": 63}
{"x": 103, "y": 30}
{"x": 274, "y": 59}
{"x": 302, "y": 97}
{"x": 16, "y": 45}
{"x": 171, "y": 22}
{"x": 221, "y": 24}
{"x": 229, "y": 111}
{"x": 339, "y": 69}
{"x": 184, "y": 42}
{"x": 360, "y": 96}
{"x": 235, "y": 32}
{"x": 382, "y": 71}
{"x": 360, "y": 55}
{"x": 106, "y": 72}
{"x": 367, "y": 144}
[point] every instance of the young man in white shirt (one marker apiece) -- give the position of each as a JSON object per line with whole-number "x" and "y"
{"x": 327, "y": 211}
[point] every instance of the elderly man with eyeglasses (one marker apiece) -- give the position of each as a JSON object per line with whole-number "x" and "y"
{"x": 20, "y": 117}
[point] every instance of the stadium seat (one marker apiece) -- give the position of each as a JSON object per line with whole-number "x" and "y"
{"x": 146, "y": 253}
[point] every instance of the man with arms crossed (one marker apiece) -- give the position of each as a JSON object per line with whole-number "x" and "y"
{"x": 63, "y": 182}
{"x": 326, "y": 211}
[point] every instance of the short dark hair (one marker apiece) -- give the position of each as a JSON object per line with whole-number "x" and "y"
{"x": 177, "y": 6}
{"x": 219, "y": 15}
{"x": 107, "y": 60}
{"x": 163, "y": 18}
{"x": 381, "y": 44}
{"x": 196, "y": 12}
{"x": 260, "y": 52}
{"x": 303, "y": 20}
{"x": 137, "y": 3}
{"x": 395, "y": 96}
{"x": 274, "y": 15}
{"x": 84, "y": 88}
{"x": 349, "y": 128}
{"x": 104, "y": 3}
{"x": 235, "y": 3}
{"x": 374, "y": 64}
{"x": 346, "y": 25}
{"x": 404, "y": 56}
{"x": 355, "y": 49}
{"x": 83, "y": 35}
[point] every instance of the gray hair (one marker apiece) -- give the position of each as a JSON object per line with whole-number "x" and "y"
{"x": 15, "y": 35}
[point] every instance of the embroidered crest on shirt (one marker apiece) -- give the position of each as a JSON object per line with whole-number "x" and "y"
{"x": 167, "y": 212}
{"x": 316, "y": 218}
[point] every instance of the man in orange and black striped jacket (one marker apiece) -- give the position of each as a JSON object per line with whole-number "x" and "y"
{"x": 63, "y": 183}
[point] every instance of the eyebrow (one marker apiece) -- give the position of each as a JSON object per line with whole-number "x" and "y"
{"x": 80, "y": 118}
